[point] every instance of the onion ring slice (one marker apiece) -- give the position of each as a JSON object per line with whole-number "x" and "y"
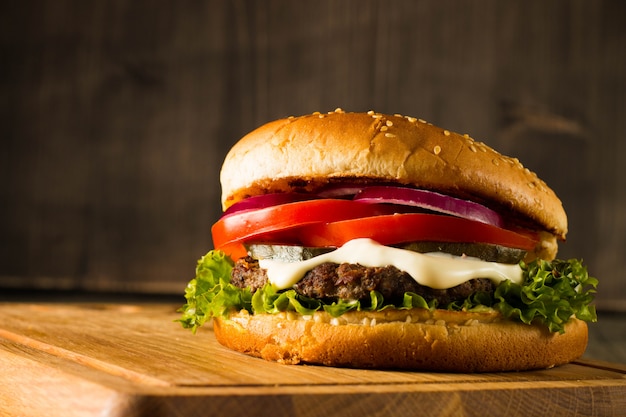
{"x": 429, "y": 200}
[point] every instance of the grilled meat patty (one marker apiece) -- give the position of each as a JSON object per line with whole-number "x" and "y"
{"x": 345, "y": 281}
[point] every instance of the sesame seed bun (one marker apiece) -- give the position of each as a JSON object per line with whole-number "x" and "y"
{"x": 308, "y": 152}
{"x": 403, "y": 339}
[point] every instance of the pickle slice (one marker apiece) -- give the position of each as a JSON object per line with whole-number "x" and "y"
{"x": 491, "y": 253}
{"x": 486, "y": 252}
{"x": 285, "y": 253}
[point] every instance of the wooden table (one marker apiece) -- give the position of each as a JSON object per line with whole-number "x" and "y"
{"x": 134, "y": 360}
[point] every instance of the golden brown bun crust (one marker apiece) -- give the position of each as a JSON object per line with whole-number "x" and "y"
{"x": 439, "y": 341}
{"x": 282, "y": 155}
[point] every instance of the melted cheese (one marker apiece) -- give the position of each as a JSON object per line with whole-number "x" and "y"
{"x": 435, "y": 270}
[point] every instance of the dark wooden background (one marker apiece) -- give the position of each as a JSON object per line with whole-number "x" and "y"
{"x": 116, "y": 115}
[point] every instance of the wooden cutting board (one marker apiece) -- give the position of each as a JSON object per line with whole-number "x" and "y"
{"x": 134, "y": 360}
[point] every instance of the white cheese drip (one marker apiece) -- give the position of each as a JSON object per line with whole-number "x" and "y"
{"x": 436, "y": 270}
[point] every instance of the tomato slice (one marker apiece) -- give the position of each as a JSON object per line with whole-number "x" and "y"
{"x": 412, "y": 227}
{"x": 276, "y": 220}
{"x": 333, "y": 222}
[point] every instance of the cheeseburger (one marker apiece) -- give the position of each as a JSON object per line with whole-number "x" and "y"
{"x": 376, "y": 241}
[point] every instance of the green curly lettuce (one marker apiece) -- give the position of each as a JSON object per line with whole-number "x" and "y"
{"x": 551, "y": 293}
{"x": 210, "y": 293}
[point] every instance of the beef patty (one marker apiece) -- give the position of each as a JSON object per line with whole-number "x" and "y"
{"x": 330, "y": 281}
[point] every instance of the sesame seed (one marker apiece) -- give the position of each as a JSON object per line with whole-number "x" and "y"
{"x": 389, "y": 123}
{"x": 321, "y": 116}
{"x": 532, "y": 184}
{"x": 466, "y": 136}
{"x": 472, "y": 148}
{"x": 437, "y": 149}
{"x": 446, "y": 132}
{"x": 371, "y": 112}
{"x": 496, "y": 162}
{"x": 390, "y": 135}
{"x": 411, "y": 119}
{"x": 384, "y": 128}
{"x": 338, "y": 110}
{"x": 315, "y": 113}
{"x": 422, "y": 120}
{"x": 398, "y": 115}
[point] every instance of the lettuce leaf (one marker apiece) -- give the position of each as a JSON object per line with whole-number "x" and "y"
{"x": 210, "y": 293}
{"x": 550, "y": 293}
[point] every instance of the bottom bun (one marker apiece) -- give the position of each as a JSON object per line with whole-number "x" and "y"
{"x": 403, "y": 339}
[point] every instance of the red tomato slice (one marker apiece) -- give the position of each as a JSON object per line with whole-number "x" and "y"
{"x": 331, "y": 223}
{"x": 411, "y": 227}
{"x": 244, "y": 226}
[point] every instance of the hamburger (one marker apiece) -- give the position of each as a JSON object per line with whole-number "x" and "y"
{"x": 370, "y": 240}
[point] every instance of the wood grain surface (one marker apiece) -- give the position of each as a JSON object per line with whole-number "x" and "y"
{"x": 135, "y": 360}
{"x": 116, "y": 115}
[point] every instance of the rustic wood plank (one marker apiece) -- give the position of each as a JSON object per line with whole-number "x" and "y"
{"x": 135, "y": 360}
{"x": 35, "y": 384}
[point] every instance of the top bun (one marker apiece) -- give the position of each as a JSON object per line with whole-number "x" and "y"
{"x": 306, "y": 153}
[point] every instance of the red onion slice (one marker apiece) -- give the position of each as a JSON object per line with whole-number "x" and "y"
{"x": 266, "y": 200}
{"x": 340, "y": 191}
{"x": 348, "y": 189}
{"x": 431, "y": 201}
